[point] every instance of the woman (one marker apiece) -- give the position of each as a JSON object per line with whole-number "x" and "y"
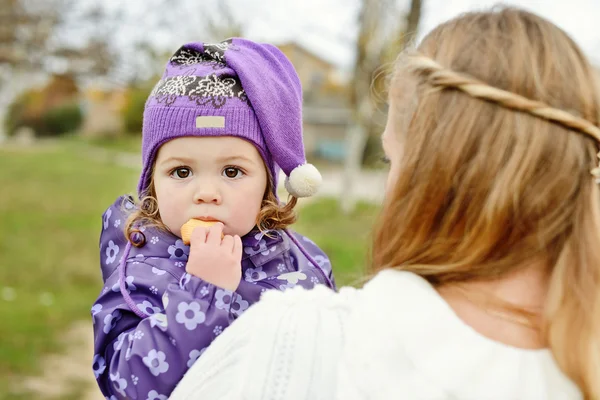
{"x": 486, "y": 260}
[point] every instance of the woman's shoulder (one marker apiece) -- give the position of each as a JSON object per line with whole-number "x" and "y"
{"x": 425, "y": 350}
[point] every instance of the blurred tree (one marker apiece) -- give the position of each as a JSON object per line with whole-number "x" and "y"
{"x": 133, "y": 110}
{"x": 40, "y": 38}
{"x": 49, "y": 111}
{"x": 38, "y": 35}
{"x": 383, "y": 32}
{"x": 25, "y": 27}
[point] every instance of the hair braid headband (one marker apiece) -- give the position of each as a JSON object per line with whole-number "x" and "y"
{"x": 442, "y": 77}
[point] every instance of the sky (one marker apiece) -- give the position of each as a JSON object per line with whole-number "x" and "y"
{"x": 329, "y": 26}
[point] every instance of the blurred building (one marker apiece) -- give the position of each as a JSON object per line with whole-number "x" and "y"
{"x": 102, "y": 109}
{"x": 326, "y": 112}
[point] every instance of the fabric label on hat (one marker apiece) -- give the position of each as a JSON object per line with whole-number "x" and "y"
{"x": 210, "y": 122}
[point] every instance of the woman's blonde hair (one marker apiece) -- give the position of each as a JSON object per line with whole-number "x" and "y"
{"x": 272, "y": 215}
{"x": 498, "y": 139}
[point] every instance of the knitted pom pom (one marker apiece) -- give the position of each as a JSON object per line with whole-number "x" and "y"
{"x": 303, "y": 181}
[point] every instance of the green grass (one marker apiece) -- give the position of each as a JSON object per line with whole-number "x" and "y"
{"x": 344, "y": 238}
{"x": 51, "y": 202}
{"x": 128, "y": 143}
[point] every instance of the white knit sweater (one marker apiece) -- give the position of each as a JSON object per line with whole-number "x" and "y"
{"x": 394, "y": 339}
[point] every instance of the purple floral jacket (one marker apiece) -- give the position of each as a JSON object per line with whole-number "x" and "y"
{"x": 152, "y": 320}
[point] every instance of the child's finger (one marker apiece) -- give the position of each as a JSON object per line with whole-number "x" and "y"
{"x": 199, "y": 235}
{"x": 215, "y": 233}
{"x": 227, "y": 243}
{"x": 237, "y": 247}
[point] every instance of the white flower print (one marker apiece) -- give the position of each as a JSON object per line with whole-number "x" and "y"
{"x": 185, "y": 56}
{"x": 194, "y": 355}
{"x": 239, "y": 306}
{"x": 153, "y": 289}
{"x": 98, "y": 365}
{"x": 96, "y": 309}
{"x": 107, "y": 217}
{"x": 138, "y": 258}
{"x": 117, "y": 223}
{"x": 213, "y": 89}
{"x": 314, "y": 280}
{"x": 173, "y": 341}
{"x": 129, "y": 286}
{"x": 292, "y": 277}
{"x": 267, "y": 251}
{"x": 119, "y": 343}
{"x": 321, "y": 260}
{"x": 154, "y": 395}
{"x": 254, "y": 274}
{"x": 111, "y": 252}
{"x": 179, "y": 264}
{"x": 179, "y": 251}
{"x": 156, "y": 362}
{"x": 158, "y": 272}
{"x": 138, "y": 335}
{"x": 218, "y": 330}
{"x": 120, "y": 384}
{"x": 281, "y": 267}
{"x": 189, "y": 314}
{"x": 159, "y": 320}
{"x": 154, "y": 240}
{"x": 104, "y": 290}
{"x": 147, "y": 308}
{"x": 223, "y": 299}
{"x": 110, "y": 321}
{"x": 204, "y": 291}
{"x": 134, "y": 379}
{"x": 177, "y": 85}
{"x": 218, "y": 49}
{"x": 259, "y": 247}
{"x": 167, "y": 90}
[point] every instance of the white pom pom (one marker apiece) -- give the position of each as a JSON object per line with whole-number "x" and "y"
{"x": 303, "y": 181}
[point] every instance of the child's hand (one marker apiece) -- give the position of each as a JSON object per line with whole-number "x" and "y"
{"x": 215, "y": 260}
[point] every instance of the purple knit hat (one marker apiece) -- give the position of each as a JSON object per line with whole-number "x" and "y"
{"x": 233, "y": 88}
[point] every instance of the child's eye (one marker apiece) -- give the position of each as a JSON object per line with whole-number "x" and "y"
{"x": 384, "y": 160}
{"x": 181, "y": 173}
{"x": 232, "y": 172}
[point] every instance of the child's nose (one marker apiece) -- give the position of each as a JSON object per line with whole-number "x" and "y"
{"x": 207, "y": 193}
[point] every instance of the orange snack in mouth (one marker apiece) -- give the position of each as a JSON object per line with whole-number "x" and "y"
{"x": 188, "y": 228}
